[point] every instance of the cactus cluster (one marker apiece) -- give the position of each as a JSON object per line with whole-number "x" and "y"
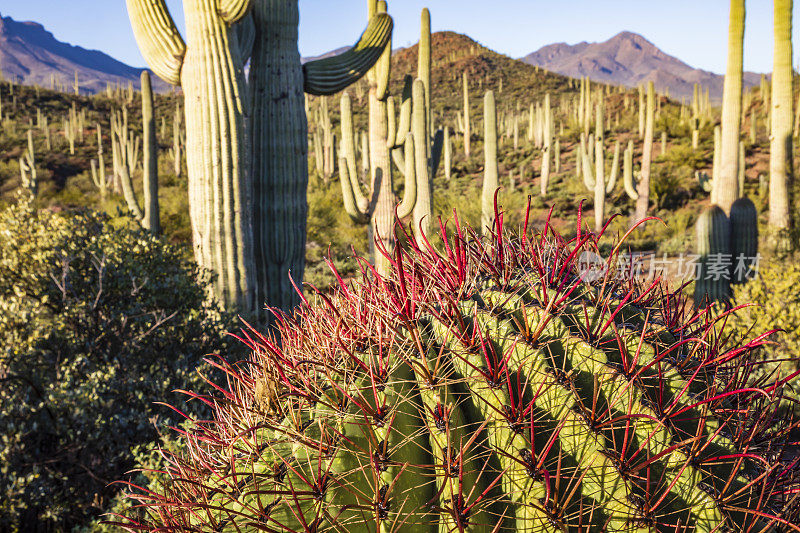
{"x": 727, "y": 248}
{"x": 492, "y": 386}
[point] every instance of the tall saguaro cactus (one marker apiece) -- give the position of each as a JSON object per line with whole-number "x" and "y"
{"x": 151, "y": 220}
{"x": 490, "y": 179}
{"x": 225, "y": 185}
{"x": 209, "y": 69}
{"x": 643, "y": 187}
{"x": 780, "y": 150}
{"x": 467, "y": 132}
{"x": 726, "y": 189}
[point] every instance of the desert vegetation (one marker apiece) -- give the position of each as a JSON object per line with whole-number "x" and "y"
{"x": 434, "y": 289}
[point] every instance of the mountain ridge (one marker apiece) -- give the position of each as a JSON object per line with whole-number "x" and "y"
{"x": 31, "y": 54}
{"x": 630, "y": 59}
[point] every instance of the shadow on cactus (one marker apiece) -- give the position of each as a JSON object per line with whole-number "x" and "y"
{"x": 487, "y": 386}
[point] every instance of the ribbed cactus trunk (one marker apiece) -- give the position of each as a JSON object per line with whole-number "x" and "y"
{"x": 382, "y": 223}
{"x": 599, "y": 187}
{"x": 220, "y": 188}
{"x": 713, "y": 231}
{"x": 151, "y": 220}
{"x": 548, "y": 139}
{"x": 209, "y": 69}
{"x": 726, "y": 189}
{"x": 643, "y": 187}
{"x": 490, "y": 179}
{"x": 424, "y": 62}
{"x": 279, "y": 153}
{"x": 423, "y": 208}
{"x": 780, "y": 153}
{"x": 467, "y": 124}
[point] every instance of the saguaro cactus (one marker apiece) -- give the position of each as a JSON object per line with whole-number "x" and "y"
{"x": 627, "y": 172}
{"x": 780, "y": 148}
{"x": 643, "y": 187}
{"x": 378, "y": 211}
{"x": 151, "y": 220}
{"x": 547, "y": 144}
{"x": 467, "y": 123}
{"x": 725, "y": 189}
{"x": 490, "y": 178}
{"x": 222, "y": 194}
{"x": 744, "y": 239}
{"x": 599, "y": 187}
{"x": 713, "y": 232}
{"x": 209, "y": 69}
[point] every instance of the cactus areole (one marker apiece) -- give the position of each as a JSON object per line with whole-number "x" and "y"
{"x": 491, "y": 386}
{"x": 241, "y": 208}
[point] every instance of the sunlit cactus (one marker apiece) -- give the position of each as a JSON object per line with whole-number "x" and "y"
{"x": 490, "y": 176}
{"x": 495, "y": 386}
{"x": 151, "y": 220}
{"x": 725, "y": 190}
{"x": 251, "y": 254}
{"x": 781, "y": 171}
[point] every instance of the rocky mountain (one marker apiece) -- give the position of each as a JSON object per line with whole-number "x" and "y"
{"x": 31, "y": 54}
{"x": 629, "y": 59}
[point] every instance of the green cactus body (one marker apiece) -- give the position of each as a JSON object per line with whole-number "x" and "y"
{"x": 744, "y": 239}
{"x": 547, "y": 145}
{"x": 448, "y": 157}
{"x": 424, "y": 62}
{"x": 725, "y": 189}
{"x": 781, "y": 169}
{"x": 250, "y": 255}
{"x": 467, "y": 123}
{"x": 471, "y": 392}
{"x": 599, "y": 188}
{"x": 151, "y": 220}
{"x": 612, "y": 178}
{"x": 490, "y": 177}
{"x": 627, "y": 172}
{"x": 586, "y": 164}
{"x": 643, "y": 186}
{"x": 216, "y": 151}
{"x": 713, "y": 230}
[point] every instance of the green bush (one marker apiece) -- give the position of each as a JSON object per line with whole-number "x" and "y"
{"x": 777, "y": 291}
{"x": 96, "y": 323}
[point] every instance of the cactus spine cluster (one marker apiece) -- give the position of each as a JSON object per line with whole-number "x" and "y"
{"x": 725, "y": 189}
{"x": 487, "y": 388}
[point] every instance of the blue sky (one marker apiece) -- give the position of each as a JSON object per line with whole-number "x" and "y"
{"x": 693, "y": 30}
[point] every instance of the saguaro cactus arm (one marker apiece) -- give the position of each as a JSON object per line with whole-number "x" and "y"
{"x": 232, "y": 11}
{"x": 332, "y": 74}
{"x": 158, "y": 38}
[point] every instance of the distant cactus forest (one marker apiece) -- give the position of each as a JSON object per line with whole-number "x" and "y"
{"x": 435, "y": 290}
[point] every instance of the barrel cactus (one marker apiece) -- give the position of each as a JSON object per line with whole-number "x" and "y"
{"x": 492, "y": 386}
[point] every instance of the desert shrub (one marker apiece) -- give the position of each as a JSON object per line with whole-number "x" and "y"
{"x": 776, "y": 291}
{"x": 96, "y": 323}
